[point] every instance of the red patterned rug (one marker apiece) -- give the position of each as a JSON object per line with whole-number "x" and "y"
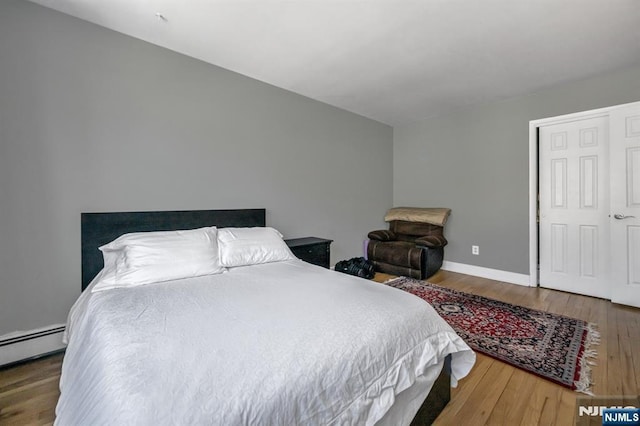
{"x": 554, "y": 347}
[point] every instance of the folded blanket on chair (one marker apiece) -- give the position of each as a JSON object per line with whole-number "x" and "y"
{"x": 435, "y": 216}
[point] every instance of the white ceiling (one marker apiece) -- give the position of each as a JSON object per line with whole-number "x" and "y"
{"x": 395, "y": 61}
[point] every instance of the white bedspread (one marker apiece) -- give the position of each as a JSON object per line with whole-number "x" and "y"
{"x": 283, "y": 343}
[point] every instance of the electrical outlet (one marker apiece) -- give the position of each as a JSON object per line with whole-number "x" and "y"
{"x": 475, "y": 250}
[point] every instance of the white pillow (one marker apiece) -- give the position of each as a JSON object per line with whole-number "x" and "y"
{"x": 150, "y": 257}
{"x": 251, "y": 246}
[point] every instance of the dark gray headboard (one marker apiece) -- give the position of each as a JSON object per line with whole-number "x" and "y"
{"x": 101, "y": 228}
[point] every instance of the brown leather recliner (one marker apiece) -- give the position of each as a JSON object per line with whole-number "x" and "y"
{"x": 413, "y": 246}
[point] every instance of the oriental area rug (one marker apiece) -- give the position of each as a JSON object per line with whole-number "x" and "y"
{"x": 552, "y": 346}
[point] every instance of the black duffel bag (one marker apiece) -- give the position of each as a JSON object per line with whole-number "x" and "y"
{"x": 358, "y": 266}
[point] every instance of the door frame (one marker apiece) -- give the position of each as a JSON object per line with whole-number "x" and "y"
{"x": 534, "y": 276}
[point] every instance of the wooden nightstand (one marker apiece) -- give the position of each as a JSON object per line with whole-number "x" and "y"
{"x": 311, "y": 249}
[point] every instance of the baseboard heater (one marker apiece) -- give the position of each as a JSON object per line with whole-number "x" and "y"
{"x": 20, "y": 346}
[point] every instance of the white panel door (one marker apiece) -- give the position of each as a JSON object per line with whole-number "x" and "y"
{"x": 625, "y": 204}
{"x": 574, "y": 206}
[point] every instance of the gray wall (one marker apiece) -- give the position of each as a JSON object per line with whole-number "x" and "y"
{"x": 91, "y": 120}
{"x": 476, "y": 161}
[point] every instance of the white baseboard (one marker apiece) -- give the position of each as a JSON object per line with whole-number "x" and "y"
{"x": 22, "y": 345}
{"x": 492, "y": 274}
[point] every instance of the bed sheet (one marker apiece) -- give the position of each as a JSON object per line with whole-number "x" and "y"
{"x": 284, "y": 343}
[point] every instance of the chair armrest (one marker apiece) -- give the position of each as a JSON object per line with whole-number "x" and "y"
{"x": 431, "y": 241}
{"x": 382, "y": 235}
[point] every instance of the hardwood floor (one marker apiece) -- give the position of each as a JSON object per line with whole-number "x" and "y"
{"x": 29, "y": 392}
{"x": 494, "y": 393}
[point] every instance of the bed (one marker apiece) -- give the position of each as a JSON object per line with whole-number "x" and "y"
{"x": 277, "y": 342}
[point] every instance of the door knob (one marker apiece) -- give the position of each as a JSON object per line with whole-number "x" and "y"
{"x": 621, "y": 216}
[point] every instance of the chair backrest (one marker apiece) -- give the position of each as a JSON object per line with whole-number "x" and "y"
{"x": 409, "y": 231}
